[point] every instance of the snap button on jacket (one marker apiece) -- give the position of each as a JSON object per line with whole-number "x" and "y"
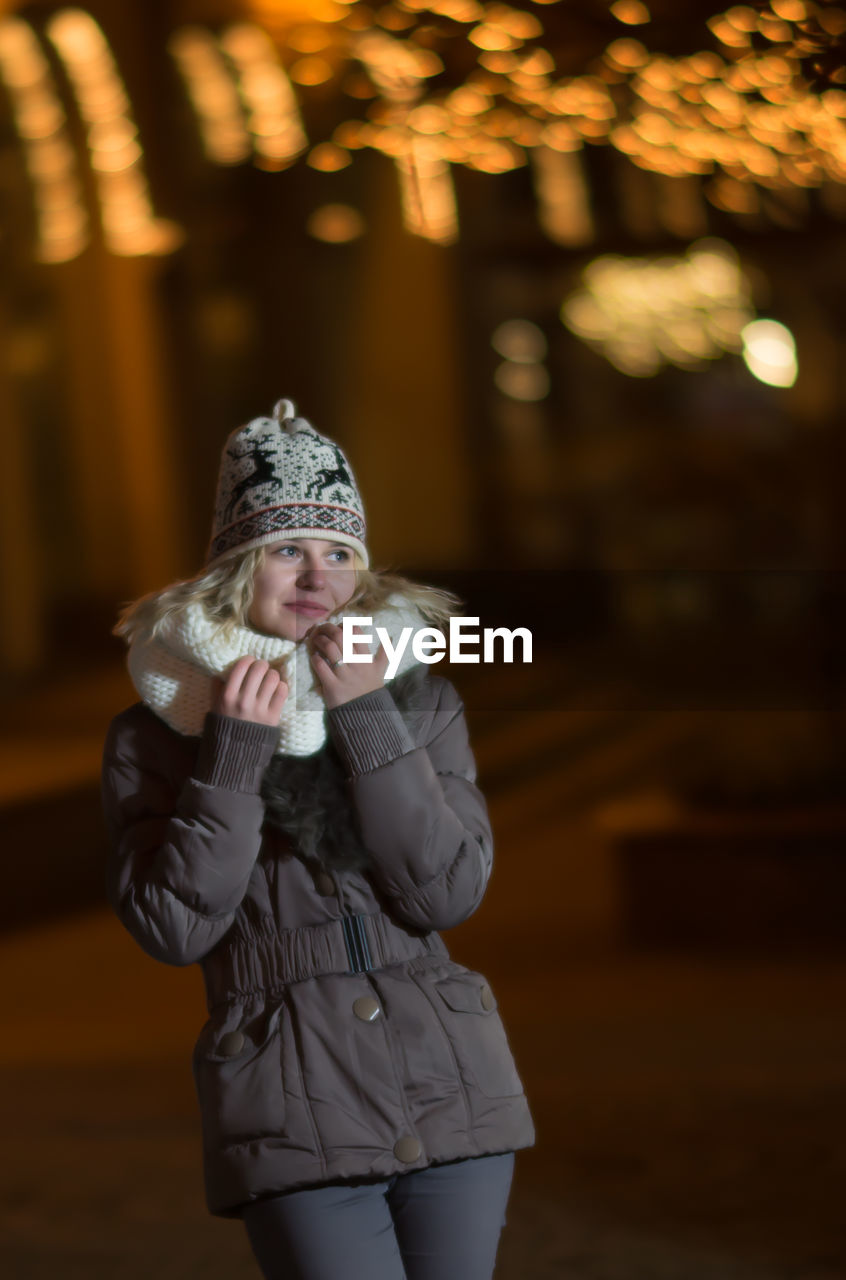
{"x": 341, "y": 1040}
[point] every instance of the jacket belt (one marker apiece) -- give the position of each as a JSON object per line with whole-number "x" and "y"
{"x": 262, "y": 957}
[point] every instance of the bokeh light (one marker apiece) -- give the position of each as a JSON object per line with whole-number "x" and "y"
{"x": 51, "y": 162}
{"x": 644, "y": 313}
{"x": 769, "y": 351}
{"x": 522, "y": 381}
{"x": 335, "y": 223}
{"x": 520, "y": 341}
{"x": 213, "y": 93}
{"x": 130, "y": 225}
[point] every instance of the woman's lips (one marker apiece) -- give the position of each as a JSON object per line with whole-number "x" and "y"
{"x": 309, "y": 610}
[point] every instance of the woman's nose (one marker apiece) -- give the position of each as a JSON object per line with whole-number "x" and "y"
{"x": 311, "y": 577}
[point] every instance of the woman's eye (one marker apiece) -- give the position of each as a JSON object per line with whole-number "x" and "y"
{"x": 281, "y": 551}
{"x": 342, "y": 555}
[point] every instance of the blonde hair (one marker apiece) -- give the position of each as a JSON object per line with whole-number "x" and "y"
{"x": 226, "y": 593}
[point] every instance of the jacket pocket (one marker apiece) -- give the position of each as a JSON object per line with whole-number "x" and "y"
{"x": 468, "y": 1009}
{"x": 237, "y": 1066}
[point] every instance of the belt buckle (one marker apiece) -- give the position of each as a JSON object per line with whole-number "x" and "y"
{"x": 355, "y": 941}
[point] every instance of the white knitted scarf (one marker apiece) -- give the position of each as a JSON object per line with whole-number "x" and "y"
{"x": 173, "y": 672}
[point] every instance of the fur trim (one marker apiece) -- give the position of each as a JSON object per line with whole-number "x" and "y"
{"x": 307, "y": 798}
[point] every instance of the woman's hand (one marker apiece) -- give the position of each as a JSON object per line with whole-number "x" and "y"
{"x": 341, "y": 681}
{"x": 253, "y": 690}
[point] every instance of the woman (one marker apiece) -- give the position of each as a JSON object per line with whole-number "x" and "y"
{"x": 302, "y": 829}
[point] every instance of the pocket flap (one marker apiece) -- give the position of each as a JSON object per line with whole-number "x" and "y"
{"x": 245, "y": 1037}
{"x": 465, "y": 995}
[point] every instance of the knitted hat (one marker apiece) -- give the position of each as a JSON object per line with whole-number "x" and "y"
{"x": 279, "y": 478}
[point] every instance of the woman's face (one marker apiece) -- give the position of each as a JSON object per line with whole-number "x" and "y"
{"x": 301, "y": 582}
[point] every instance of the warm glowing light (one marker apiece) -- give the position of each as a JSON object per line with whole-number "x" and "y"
{"x": 518, "y": 23}
{"x": 459, "y": 10}
{"x": 522, "y": 381}
{"x": 561, "y": 135}
{"x": 754, "y": 118}
{"x": 520, "y": 341}
{"x": 642, "y": 313}
{"x": 742, "y": 18}
{"x": 429, "y": 119}
{"x": 308, "y": 39}
{"x": 630, "y": 11}
{"x": 627, "y": 54}
{"x": 741, "y": 115}
{"x": 427, "y": 195}
{"x": 273, "y": 115}
{"x": 328, "y": 157}
{"x": 692, "y": 115}
{"x": 492, "y": 38}
{"x": 396, "y": 67}
{"x": 311, "y": 70}
{"x": 561, "y": 190}
{"x": 770, "y": 352}
{"x": 393, "y": 19}
{"x": 335, "y": 223}
{"x": 61, "y": 215}
{"x": 280, "y": 16}
{"x": 774, "y": 30}
{"x": 536, "y": 63}
{"x": 351, "y": 135}
{"x": 423, "y": 162}
{"x": 789, "y": 10}
{"x": 130, "y": 226}
{"x": 213, "y": 95}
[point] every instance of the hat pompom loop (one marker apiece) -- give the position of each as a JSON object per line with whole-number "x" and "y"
{"x": 284, "y": 409}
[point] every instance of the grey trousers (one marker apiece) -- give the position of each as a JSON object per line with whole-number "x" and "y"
{"x": 440, "y": 1223}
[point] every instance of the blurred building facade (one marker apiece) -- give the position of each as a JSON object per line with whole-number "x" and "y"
{"x": 137, "y": 335}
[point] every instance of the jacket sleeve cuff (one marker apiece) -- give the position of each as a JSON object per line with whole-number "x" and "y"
{"x": 369, "y": 731}
{"x": 234, "y": 753}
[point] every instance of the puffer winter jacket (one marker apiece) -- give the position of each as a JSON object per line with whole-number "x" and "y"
{"x": 342, "y": 1041}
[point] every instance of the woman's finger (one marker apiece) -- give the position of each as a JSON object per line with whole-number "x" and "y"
{"x": 235, "y": 677}
{"x": 322, "y": 669}
{"x": 331, "y": 630}
{"x": 278, "y": 697}
{"x": 268, "y": 685}
{"x": 253, "y": 677}
{"x": 328, "y": 648}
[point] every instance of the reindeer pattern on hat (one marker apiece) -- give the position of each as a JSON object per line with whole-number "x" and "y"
{"x": 330, "y": 483}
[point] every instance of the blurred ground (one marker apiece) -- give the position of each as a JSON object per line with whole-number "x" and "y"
{"x": 689, "y": 1102}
